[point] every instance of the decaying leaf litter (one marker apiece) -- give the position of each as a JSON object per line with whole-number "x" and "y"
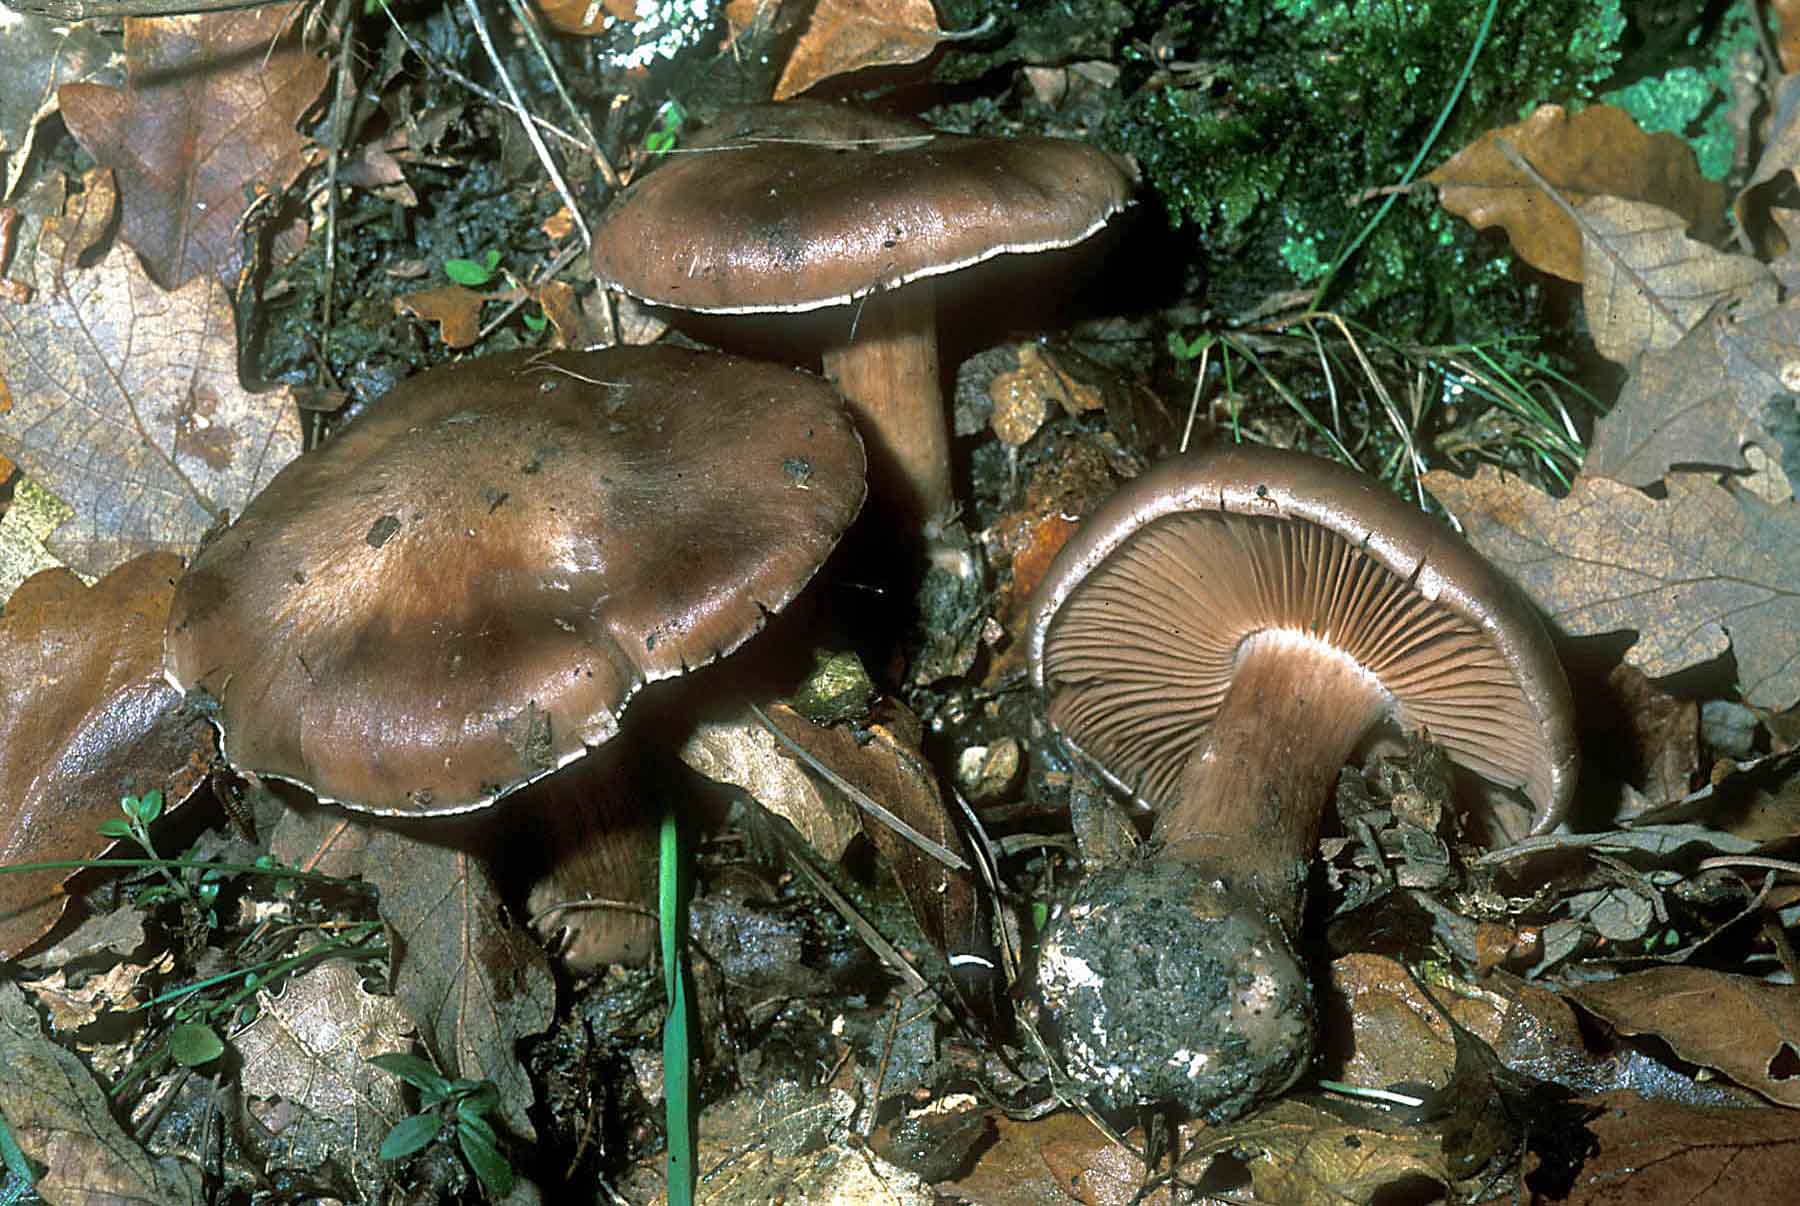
{"x": 1664, "y": 559}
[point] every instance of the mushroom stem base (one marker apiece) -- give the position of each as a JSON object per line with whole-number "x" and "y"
{"x": 1161, "y": 990}
{"x": 888, "y": 371}
{"x": 1256, "y": 785}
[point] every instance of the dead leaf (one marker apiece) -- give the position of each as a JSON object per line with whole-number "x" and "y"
{"x": 118, "y": 933}
{"x": 849, "y": 35}
{"x": 207, "y": 115}
{"x": 1661, "y": 1151}
{"x": 126, "y": 402}
{"x": 588, "y": 18}
{"x": 321, "y": 839}
{"x": 309, "y": 1047}
{"x": 1599, "y": 151}
{"x": 1059, "y": 1160}
{"x": 1022, "y": 396}
{"x": 33, "y": 514}
{"x": 114, "y": 990}
{"x": 786, "y": 1143}
{"x": 473, "y": 983}
{"x": 1781, "y": 140}
{"x": 37, "y": 56}
{"x": 85, "y": 717}
{"x": 62, "y": 1120}
{"x": 1726, "y": 385}
{"x": 455, "y": 308}
{"x": 1656, "y": 735}
{"x": 1703, "y": 570}
{"x": 738, "y": 749}
{"x": 1303, "y": 1155}
{"x": 1787, "y": 40}
{"x": 884, "y": 761}
{"x": 1645, "y": 284}
{"x": 1745, "y": 1028}
{"x": 569, "y": 316}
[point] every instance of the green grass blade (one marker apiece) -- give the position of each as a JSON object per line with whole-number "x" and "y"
{"x": 677, "y": 1062}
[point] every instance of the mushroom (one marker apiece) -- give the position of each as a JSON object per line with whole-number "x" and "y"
{"x": 803, "y": 205}
{"x": 461, "y": 591}
{"x": 1216, "y": 641}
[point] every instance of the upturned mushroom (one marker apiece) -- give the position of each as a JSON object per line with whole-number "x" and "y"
{"x": 803, "y": 205}
{"x": 461, "y": 591}
{"x": 1216, "y": 641}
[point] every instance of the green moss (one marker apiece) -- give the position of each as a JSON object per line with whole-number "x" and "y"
{"x": 1694, "y": 99}
{"x": 1280, "y": 116}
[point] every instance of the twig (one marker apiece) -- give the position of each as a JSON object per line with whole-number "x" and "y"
{"x": 526, "y": 122}
{"x": 487, "y": 94}
{"x": 81, "y": 10}
{"x": 527, "y": 19}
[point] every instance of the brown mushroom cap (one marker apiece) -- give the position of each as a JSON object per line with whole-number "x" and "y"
{"x": 799, "y": 205}
{"x": 461, "y": 591}
{"x": 802, "y": 205}
{"x": 1137, "y": 629}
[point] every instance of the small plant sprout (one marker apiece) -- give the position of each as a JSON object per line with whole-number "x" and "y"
{"x": 140, "y": 813}
{"x": 473, "y": 274}
{"x": 444, "y": 1104}
{"x": 1184, "y": 351}
{"x": 192, "y": 1044}
{"x": 661, "y": 139}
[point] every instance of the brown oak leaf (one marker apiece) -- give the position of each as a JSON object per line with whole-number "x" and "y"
{"x": 473, "y": 983}
{"x": 207, "y": 114}
{"x": 1703, "y": 570}
{"x": 62, "y": 1119}
{"x": 1646, "y": 284}
{"x": 1745, "y": 1028}
{"x": 1728, "y": 385}
{"x": 126, "y": 402}
{"x": 849, "y": 35}
{"x": 85, "y": 717}
{"x": 1599, "y": 151}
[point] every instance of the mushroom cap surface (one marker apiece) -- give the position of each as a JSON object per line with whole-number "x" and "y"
{"x": 799, "y": 205}
{"x": 1136, "y": 628}
{"x": 461, "y": 591}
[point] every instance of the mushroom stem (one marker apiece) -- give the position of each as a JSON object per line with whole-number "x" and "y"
{"x": 1255, "y": 788}
{"x": 889, "y": 373}
{"x": 597, "y": 837}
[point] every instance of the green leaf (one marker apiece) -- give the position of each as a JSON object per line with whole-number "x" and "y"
{"x": 150, "y": 806}
{"x": 194, "y": 1043}
{"x": 1184, "y": 349}
{"x": 410, "y": 1134}
{"x": 482, "y": 1099}
{"x": 482, "y": 1151}
{"x": 480, "y": 1127}
{"x": 535, "y": 323}
{"x": 414, "y": 1071}
{"x": 115, "y": 828}
{"x": 472, "y": 273}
